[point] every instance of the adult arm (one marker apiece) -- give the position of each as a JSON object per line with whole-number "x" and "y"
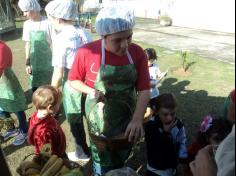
{"x": 57, "y": 76}
{"x": 204, "y": 164}
{"x": 28, "y": 68}
{"x": 135, "y": 130}
{"x": 82, "y": 87}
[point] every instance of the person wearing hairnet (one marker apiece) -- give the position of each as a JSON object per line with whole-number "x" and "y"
{"x": 62, "y": 14}
{"x": 12, "y": 98}
{"x": 113, "y": 72}
{"x": 37, "y": 34}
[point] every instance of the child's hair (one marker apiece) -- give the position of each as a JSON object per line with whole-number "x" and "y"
{"x": 151, "y": 53}
{"x": 45, "y": 96}
{"x": 166, "y": 100}
{"x": 212, "y": 125}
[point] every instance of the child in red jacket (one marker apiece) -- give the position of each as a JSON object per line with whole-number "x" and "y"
{"x": 44, "y": 128}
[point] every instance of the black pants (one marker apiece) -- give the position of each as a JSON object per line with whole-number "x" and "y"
{"x": 77, "y": 130}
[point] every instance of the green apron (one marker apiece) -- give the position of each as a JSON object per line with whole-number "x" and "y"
{"x": 40, "y": 59}
{"x": 71, "y": 101}
{"x": 12, "y": 97}
{"x": 112, "y": 118}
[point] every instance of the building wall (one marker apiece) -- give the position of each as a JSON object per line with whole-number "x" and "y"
{"x": 217, "y": 15}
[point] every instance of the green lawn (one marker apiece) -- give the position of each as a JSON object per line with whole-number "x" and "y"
{"x": 200, "y": 93}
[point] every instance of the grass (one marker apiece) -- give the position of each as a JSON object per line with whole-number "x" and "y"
{"x": 200, "y": 93}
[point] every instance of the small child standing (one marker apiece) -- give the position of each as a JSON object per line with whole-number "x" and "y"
{"x": 155, "y": 76}
{"x": 165, "y": 138}
{"x": 212, "y": 131}
{"x": 44, "y": 128}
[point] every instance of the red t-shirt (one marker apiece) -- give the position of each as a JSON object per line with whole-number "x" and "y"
{"x": 46, "y": 131}
{"x": 5, "y": 57}
{"x": 88, "y": 60}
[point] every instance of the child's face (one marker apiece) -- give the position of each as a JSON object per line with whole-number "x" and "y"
{"x": 167, "y": 116}
{"x": 30, "y": 14}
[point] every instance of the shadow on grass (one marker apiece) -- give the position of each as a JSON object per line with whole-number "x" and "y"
{"x": 8, "y": 150}
{"x": 12, "y": 35}
{"x": 193, "y": 105}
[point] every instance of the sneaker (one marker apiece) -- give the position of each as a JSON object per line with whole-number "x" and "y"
{"x": 10, "y": 134}
{"x": 20, "y": 139}
{"x": 73, "y": 157}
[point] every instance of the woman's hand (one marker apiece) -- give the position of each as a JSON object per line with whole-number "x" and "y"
{"x": 97, "y": 95}
{"x": 135, "y": 130}
{"x": 204, "y": 164}
{"x": 28, "y": 70}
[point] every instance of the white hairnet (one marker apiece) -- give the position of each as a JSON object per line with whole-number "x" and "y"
{"x": 29, "y": 5}
{"x": 64, "y": 9}
{"x": 111, "y": 20}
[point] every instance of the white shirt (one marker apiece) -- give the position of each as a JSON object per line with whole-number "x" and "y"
{"x": 153, "y": 71}
{"x": 66, "y": 44}
{"x": 43, "y": 25}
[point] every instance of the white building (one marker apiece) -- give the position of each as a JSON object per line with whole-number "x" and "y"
{"x": 216, "y": 15}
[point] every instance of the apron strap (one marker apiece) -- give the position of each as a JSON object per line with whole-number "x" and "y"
{"x": 103, "y": 55}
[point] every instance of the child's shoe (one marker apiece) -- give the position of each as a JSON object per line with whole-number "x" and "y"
{"x": 10, "y": 133}
{"x": 73, "y": 157}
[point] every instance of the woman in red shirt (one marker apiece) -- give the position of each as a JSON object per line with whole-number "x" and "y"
{"x": 113, "y": 72}
{"x": 12, "y": 97}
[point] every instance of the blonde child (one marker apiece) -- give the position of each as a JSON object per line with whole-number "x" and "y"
{"x": 43, "y": 127}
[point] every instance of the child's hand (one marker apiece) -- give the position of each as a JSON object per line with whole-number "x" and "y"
{"x": 168, "y": 128}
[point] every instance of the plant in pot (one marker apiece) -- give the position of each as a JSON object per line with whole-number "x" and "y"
{"x": 165, "y": 20}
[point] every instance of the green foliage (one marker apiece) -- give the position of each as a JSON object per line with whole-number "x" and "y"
{"x": 184, "y": 56}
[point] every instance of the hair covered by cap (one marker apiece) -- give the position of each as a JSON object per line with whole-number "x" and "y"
{"x": 111, "y": 20}
{"x": 29, "y": 5}
{"x": 62, "y": 9}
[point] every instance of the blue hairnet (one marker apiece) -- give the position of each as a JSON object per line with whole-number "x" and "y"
{"x": 111, "y": 20}
{"x": 29, "y": 5}
{"x": 63, "y": 9}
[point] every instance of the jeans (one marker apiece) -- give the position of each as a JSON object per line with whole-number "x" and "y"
{"x": 23, "y": 126}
